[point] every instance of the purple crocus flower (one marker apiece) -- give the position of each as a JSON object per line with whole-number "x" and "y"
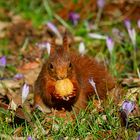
{"x": 128, "y": 106}
{"x": 2, "y": 61}
{"x": 127, "y": 24}
{"x": 91, "y": 81}
{"x": 132, "y": 35}
{"x": 138, "y": 136}
{"x": 18, "y": 76}
{"x": 138, "y": 23}
{"x": 44, "y": 45}
{"x": 29, "y": 138}
{"x": 93, "y": 84}
{"x": 110, "y": 44}
{"x": 25, "y": 92}
{"x": 82, "y": 49}
{"x": 74, "y": 17}
{"x": 53, "y": 28}
{"x": 100, "y": 3}
{"x": 131, "y": 32}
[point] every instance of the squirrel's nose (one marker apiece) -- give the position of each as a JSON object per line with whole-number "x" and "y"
{"x": 61, "y": 73}
{"x": 60, "y": 77}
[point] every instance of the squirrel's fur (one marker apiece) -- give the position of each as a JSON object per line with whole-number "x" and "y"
{"x": 79, "y": 69}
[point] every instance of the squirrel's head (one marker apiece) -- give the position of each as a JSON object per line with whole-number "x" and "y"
{"x": 59, "y": 63}
{"x": 61, "y": 70}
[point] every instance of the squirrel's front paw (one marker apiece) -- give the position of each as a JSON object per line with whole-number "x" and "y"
{"x": 43, "y": 108}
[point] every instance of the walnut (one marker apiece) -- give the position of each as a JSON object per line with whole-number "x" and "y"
{"x": 64, "y": 87}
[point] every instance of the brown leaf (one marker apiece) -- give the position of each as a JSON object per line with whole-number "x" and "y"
{"x": 4, "y": 106}
{"x": 104, "y": 134}
{"x": 29, "y": 66}
{"x": 30, "y": 71}
{"x": 12, "y": 105}
{"x": 22, "y": 115}
{"x": 14, "y": 97}
{"x": 9, "y": 84}
{"x": 18, "y": 131}
{"x": 3, "y": 25}
{"x": 97, "y": 105}
{"x": 131, "y": 82}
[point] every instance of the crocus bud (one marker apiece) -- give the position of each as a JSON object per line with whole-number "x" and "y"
{"x": 44, "y": 45}
{"x": 25, "y": 92}
{"x": 128, "y": 106}
{"x": 110, "y": 44}
{"x": 138, "y": 23}
{"x": 100, "y": 3}
{"x": 2, "y": 61}
{"x": 74, "y": 17}
{"x": 82, "y": 48}
{"x": 127, "y": 24}
{"x": 54, "y": 29}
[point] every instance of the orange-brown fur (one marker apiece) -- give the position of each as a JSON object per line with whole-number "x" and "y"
{"x": 83, "y": 68}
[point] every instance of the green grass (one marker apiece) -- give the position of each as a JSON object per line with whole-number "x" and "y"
{"x": 89, "y": 123}
{"x": 93, "y": 124}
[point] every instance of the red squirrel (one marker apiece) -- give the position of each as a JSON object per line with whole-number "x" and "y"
{"x": 62, "y": 64}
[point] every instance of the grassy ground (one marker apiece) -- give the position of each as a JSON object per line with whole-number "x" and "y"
{"x": 92, "y": 123}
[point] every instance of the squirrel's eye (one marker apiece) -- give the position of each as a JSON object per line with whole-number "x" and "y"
{"x": 50, "y": 66}
{"x": 70, "y": 65}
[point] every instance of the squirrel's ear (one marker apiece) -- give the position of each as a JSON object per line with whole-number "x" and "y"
{"x": 66, "y": 41}
{"x": 52, "y": 46}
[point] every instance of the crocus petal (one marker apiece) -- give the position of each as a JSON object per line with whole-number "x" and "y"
{"x": 25, "y": 92}
{"x": 110, "y": 44}
{"x": 131, "y": 32}
{"x": 91, "y": 81}
{"x": 74, "y": 17}
{"x": 54, "y": 29}
{"x": 2, "y": 61}
{"x": 127, "y": 24}
{"x": 100, "y": 3}
{"x": 132, "y": 35}
{"x": 128, "y": 106}
{"x": 18, "y": 76}
{"x": 29, "y": 138}
{"x": 44, "y": 45}
{"x": 96, "y": 36}
{"x": 82, "y": 48}
{"x": 93, "y": 84}
{"x": 138, "y": 23}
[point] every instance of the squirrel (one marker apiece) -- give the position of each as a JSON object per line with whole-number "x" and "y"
{"x": 63, "y": 63}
